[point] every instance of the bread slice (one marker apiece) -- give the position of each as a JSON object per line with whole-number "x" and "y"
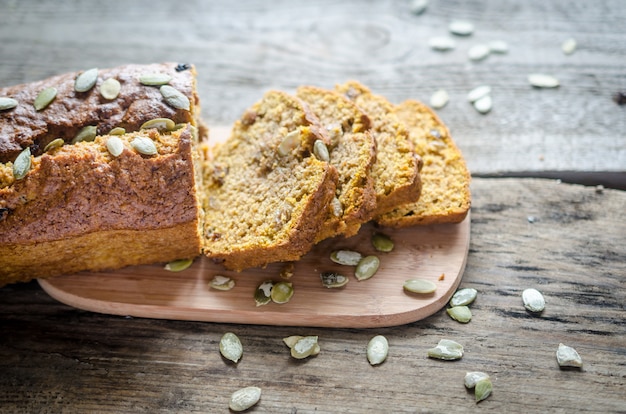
{"x": 352, "y": 152}
{"x": 445, "y": 178}
{"x": 396, "y": 170}
{"x": 266, "y": 194}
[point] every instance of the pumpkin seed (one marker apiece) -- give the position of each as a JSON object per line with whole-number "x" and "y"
{"x": 478, "y": 92}
{"x": 463, "y": 297}
{"x": 460, "y": 313}
{"x": 439, "y": 99}
{"x": 321, "y": 151}
{"x": 115, "y": 146}
{"x": 441, "y": 43}
{"x": 86, "y": 80}
{"x": 282, "y": 292}
{"x": 178, "y": 265}
{"x": 244, "y": 398}
{"x": 21, "y": 165}
{"x": 382, "y": 242}
{"x": 533, "y": 300}
{"x": 567, "y": 356}
{"x": 471, "y": 378}
{"x": 333, "y": 280}
{"x": 484, "y": 104}
{"x": 86, "y": 134}
{"x": 539, "y": 80}
{"x": 7, "y": 103}
{"x": 367, "y": 267}
{"x": 498, "y": 46}
{"x": 482, "y": 389}
{"x": 117, "y": 131}
{"x": 290, "y": 341}
{"x": 377, "y": 350}
{"x": 569, "y": 46}
{"x": 44, "y": 98}
{"x": 110, "y": 88}
{"x": 461, "y": 28}
{"x": 220, "y": 282}
{"x": 55, "y": 143}
{"x": 144, "y": 145}
{"x": 154, "y": 79}
{"x": 336, "y": 207}
{"x": 305, "y": 347}
{"x": 478, "y": 52}
{"x": 263, "y": 293}
{"x": 230, "y": 347}
{"x": 447, "y": 350}
{"x": 419, "y": 286}
{"x": 290, "y": 142}
{"x": 346, "y": 257}
{"x": 418, "y": 6}
{"x": 175, "y": 98}
{"x": 162, "y": 124}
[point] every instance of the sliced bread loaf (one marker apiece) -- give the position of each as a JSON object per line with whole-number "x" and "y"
{"x": 266, "y": 193}
{"x": 445, "y": 178}
{"x": 396, "y": 170}
{"x": 352, "y": 151}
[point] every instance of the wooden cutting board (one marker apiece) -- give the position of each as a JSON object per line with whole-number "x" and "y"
{"x": 437, "y": 253}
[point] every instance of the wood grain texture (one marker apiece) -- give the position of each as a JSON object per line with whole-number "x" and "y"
{"x": 58, "y": 359}
{"x": 246, "y": 47}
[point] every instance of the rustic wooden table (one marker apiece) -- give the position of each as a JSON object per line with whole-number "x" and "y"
{"x": 567, "y": 240}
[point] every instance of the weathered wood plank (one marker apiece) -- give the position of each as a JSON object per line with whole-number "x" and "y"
{"x": 565, "y": 240}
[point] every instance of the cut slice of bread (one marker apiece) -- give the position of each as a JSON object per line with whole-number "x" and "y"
{"x": 396, "y": 170}
{"x": 352, "y": 151}
{"x": 445, "y": 178}
{"x": 266, "y": 193}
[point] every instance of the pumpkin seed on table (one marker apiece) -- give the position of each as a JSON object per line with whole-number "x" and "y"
{"x": 569, "y": 46}
{"x": 419, "y": 286}
{"x": 418, "y": 7}
{"x": 220, "y": 282}
{"x": 346, "y": 257}
{"x": 178, "y": 265}
{"x": 471, "y": 378}
{"x": 533, "y": 300}
{"x": 461, "y": 27}
{"x": 446, "y": 350}
{"x": 144, "y": 145}
{"x": 567, "y": 356}
{"x": 463, "y": 297}
{"x": 7, "y": 103}
{"x": 439, "y": 99}
{"x": 442, "y": 43}
{"x": 263, "y": 293}
{"x": 540, "y": 80}
{"x": 281, "y": 292}
{"x": 230, "y": 347}
{"x": 154, "y": 79}
{"x": 484, "y": 104}
{"x": 367, "y": 267}
{"x": 55, "y": 143}
{"x": 44, "y": 98}
{"x": 304, "y": 347}
{"x": 162, "y": 124}
{"x": 86, "y": 80}
{"x": 110, "y": 89}
{"x": 333, "y": 280}
{"x": 86, "y": 134}
{"x": 483, "y": 389}
{"x": 460, "y": 313}
{"x": 377, "y": 350}
{"x": 174, "y": 97}
{"x": 115, "y": 146}
{"x": 382, "y": 242}
{"x": 244, "y": 398}
{"x": 21, "y": 165}
{"x": 498, "y": 46}
{"x": 478, "y": 93}
{"x": 478, "y": 52}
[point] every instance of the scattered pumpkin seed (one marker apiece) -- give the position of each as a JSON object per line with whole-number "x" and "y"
{"x": 230, "y": 347}
{"x": 377, "y": 350}
{"x": 463, "y": 297}
{"x": 86, "y": 80}
{"x": 220, "y": 282}
{"x": 7, "y": 103}
{"x": 447, "y": 350}
{"x": 533, "y": 300}
{"x": 110, "y": 88}
{"x": 144, "y": 145}
{"x": 471, "y": 378}
{"x": 460, "y": 313}
{"x": 419, "y": 286}
{"x": 244, "y": 398}
{"x": 367, "y": 267}
{"x": 539, "y": 80}
{"x": 569, "y": 46}
{"x": 154, "y": 79}
{"x": 115, "y": 146}
{"x": 498, "y": 46}
{"x": 117, "y": 131}
{"x": 21, "y": 165}
{"x": 86, "y": 134}
{"x": 305, "y": 347}
{"x": 290, "y": 341}
{"x": 567, "y": 356}
{"x": 162, "y": 124}
{"x": 263, "y": 293}
{"x": 281, "y": 292}
{"x": 478, "y": 92}
{"x": 482, "y": 389}
{"x": 484, "y": 104}
{"x": 346, "y": 257}
{"x": 175, "y": 98}
{"x": 439, "y": 99}
{"x": 478, "y": 52}
{"x": 178, "y": 265}
{"x": 321, "y": 151}
{"x": 290, "y": 142}
{"x": 44, "y": 98}
{"x": 55, "y": 143}
{"x": 418, "y": 6}
{"x": 333, "y": 280}
{"x": 461, "y": 28}
{"x": 442, "y": 43}
{"x": 382, "y": 242}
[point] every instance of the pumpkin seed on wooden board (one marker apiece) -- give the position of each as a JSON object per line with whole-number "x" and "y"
{"x": 86, "y": 80}
{"x": 87, "y": 134}
{"x": 178, "y": 265}
{"x": 7, "y": 103}
{"x": 244, "y": 398}
{"x": 44, "y": 98}
{"x": 377, "y": 350}
{"x": 441, "y": 43}
{"x": 461, "y": 27}
{"x": 110, "y": 89}
{"x": 144, "y": 145}
{"x": 484, "y": 104}
{"x": 333, "y": 280}
{"x": 220, "y": 282}
{"x": 463, "y": 297}
{"x": 439, "y": 99}
{"x": 498, "y": 46}
{"x": 569, "y": 46}
{"x": 382, "y": 242}
{"x": 419, "y": 286}
{"x": 263, "y": 293}
{"x": 478, "y": 92}
{"x": 281, "y": 292}
{"x": 55, "y": 143}
{"x": 446, "y": 350}
{"x": 230, "y": 347}
{"x": 471, "y": 378}
{"x": 175, "y": 98}
{"x": 567, "y": 356}
{"x": 460, "y": 314}
{"x": 540, "y": 80}
{"x": 21, "y": 165}
{"x": 478, "y": 52}
{"x": 367, "y": 267}
{"x": 533, "y": 300}
{"x": 305, "y": 347}
{"x": 483, "y": 389}
{"x": 346, "y": 257}
{"x": 418, "y": 7}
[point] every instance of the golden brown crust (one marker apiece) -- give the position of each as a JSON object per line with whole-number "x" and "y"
{"x": 446, "y": 180}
